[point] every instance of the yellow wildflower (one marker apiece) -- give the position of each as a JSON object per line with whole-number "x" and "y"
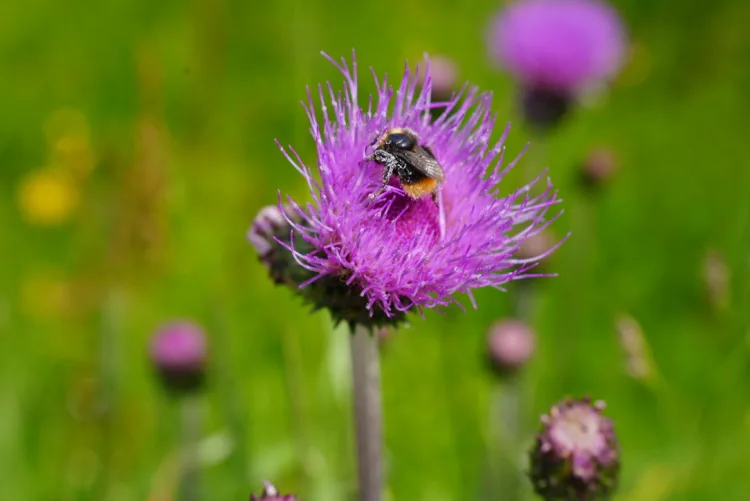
{"x": 47, "y": 196}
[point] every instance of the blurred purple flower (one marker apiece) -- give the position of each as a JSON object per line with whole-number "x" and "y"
{"x": 576, "y": 455}
{"x": 510, "y": 344}
{"x": 444, "y": 76}
{"x": 178, "y": 351}
{"x": 559, "y": 45}
{"x": 394, "y": 253}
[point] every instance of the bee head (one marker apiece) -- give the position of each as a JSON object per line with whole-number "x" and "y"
{"x": 401, "y": 141}
{"x": 400, "y": 138}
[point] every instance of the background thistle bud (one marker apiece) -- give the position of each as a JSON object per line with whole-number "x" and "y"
{"x": 638, "y": 361}
{"x": 444, "y": 75}
{"x": 444, "y": 78}
{"x": 271, "y": 494}
{"x": 510, "y": 345}
{"x": 538, "y": 246}
{"x": 598, "y": 168}
{"x": 178, "y": 351}
{"x": 716, "y": 280}
{"x": 576, "y": 455}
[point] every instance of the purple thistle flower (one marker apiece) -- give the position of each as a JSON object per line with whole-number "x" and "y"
{"x": 372, "y": 260}
{"x": 556, "y": 49}
{"x": 576, "y": 456}
{"x": 178, "y": 351}
{"x": 558, "y": 44}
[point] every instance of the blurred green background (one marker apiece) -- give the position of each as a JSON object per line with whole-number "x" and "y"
{"x": 136, "y": 145}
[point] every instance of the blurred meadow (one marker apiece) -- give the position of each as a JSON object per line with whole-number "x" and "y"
{"x": 137, "y": 145}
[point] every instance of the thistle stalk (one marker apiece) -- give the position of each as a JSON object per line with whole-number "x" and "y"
{"x": 190, "y": 419}
{"x": 368, "y": 414}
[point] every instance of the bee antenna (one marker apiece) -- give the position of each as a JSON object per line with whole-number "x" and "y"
{"x": 368, "y": 158}
{"x": 377, "y": 137}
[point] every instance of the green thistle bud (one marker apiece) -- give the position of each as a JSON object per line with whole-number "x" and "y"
{"x": 598, "y": 168}
{"x": 272, "y": 234}
{"x": 271, "y": 494}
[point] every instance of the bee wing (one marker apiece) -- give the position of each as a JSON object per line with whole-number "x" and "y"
{"x": 424, "y": 161}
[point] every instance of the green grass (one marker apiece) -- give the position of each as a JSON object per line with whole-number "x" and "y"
{"x": 183, "y": 103}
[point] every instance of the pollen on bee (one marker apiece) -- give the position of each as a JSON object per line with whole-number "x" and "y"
{"x": 420, "y": 188}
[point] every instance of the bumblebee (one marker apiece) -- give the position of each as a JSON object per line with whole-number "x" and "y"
{"x": 415, "y": 165}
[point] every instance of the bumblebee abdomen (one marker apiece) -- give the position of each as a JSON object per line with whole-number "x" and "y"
{"x": 420, "y": 188}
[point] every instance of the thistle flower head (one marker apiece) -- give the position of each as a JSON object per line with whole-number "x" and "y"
{"x": 560, "y": 45}
{"x": 371, "y": 260}
{"x": 271, "y": 494}
{"x": 576, "y": 455}
{"x": 178, "y": 351}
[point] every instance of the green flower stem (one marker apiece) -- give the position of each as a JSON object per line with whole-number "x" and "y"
{"x": 368, "y": 414}
{"x": 112, "y": 314}
{"x": 506, "y": 404}
{"x": 190, "y": 426}
{"x": 506, "y": 445}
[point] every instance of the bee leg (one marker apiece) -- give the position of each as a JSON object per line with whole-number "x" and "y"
{"x": 391, "y": 165}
